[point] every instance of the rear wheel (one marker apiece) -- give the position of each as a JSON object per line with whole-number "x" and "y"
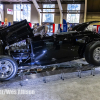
{"x": 8, "y": 68}
{"x": 92, "y": 53}
{"x": 87, "y": 51}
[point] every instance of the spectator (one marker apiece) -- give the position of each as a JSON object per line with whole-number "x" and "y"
{"x": 60, "y": 29}
{"x": 68, "y": 26}
{"x": 46, "y": 28}
{"x": 34, "y": 27}
{"x": 72, "y": 26}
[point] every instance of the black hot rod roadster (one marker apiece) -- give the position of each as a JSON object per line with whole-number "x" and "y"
{"x": 40, "y": 49}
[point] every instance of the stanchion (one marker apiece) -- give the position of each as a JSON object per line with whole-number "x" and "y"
{"x": 22, "y": 77}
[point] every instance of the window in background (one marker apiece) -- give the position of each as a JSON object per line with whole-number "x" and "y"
{"x": 73, "y": 18}
{"x": 21, "y": 12}
{"x": 1, "y": 6}
{"x": 0, "y": 16}
{"x": 47, "y": 17}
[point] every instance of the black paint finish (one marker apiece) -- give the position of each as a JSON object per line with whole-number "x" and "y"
{"x": 45, "y": 50}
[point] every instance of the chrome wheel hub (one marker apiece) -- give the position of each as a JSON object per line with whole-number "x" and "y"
{"x": 6, "y": 68}
{"x": 96, "y": 54}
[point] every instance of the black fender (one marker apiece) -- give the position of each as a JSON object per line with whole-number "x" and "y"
{"x": 1, "y": 49}
{"x": 81, "y": 50}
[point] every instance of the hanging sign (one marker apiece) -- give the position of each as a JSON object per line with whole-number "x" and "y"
{"x": 9, "y": 11}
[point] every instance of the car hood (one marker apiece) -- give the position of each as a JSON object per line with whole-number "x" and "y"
{"x": 63, "y": 33}
{"x": 81, "y": 27}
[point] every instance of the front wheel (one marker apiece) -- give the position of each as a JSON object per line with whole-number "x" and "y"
{"x": 8, "y": 68}
{"x": 92, "y": 53}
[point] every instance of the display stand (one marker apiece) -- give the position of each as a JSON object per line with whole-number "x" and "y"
{"x": 63, "y": 68}
{"x": 22, "y": 76}
{"x": 87, "y": 67}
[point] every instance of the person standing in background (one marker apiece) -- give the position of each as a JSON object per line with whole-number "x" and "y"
{"x": 60, "y": 29}
{"x": 72, "y": 26}
{"x": 68, "y": 26}
{"x": 99, "y": 29}
{"x": 35, "y": 27}
{"x": 46, "y": 28}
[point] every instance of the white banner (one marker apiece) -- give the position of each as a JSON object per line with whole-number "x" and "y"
{"x": 9, "y": 11}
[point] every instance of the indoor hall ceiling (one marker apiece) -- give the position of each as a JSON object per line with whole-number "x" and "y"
{"x": 93, "y": 5}
{"x": 62, "y": 1}
{"x": 44, "y": 1}
{"x": 14, "y": 0}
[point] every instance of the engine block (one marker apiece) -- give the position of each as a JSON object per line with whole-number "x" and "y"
{"x": 19, "y": 51}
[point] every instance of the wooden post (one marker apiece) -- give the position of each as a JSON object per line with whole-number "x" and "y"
{"x": 38, "y": 10}
{"x": 85, "y": 11}
{"x": 60, "y": 9}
